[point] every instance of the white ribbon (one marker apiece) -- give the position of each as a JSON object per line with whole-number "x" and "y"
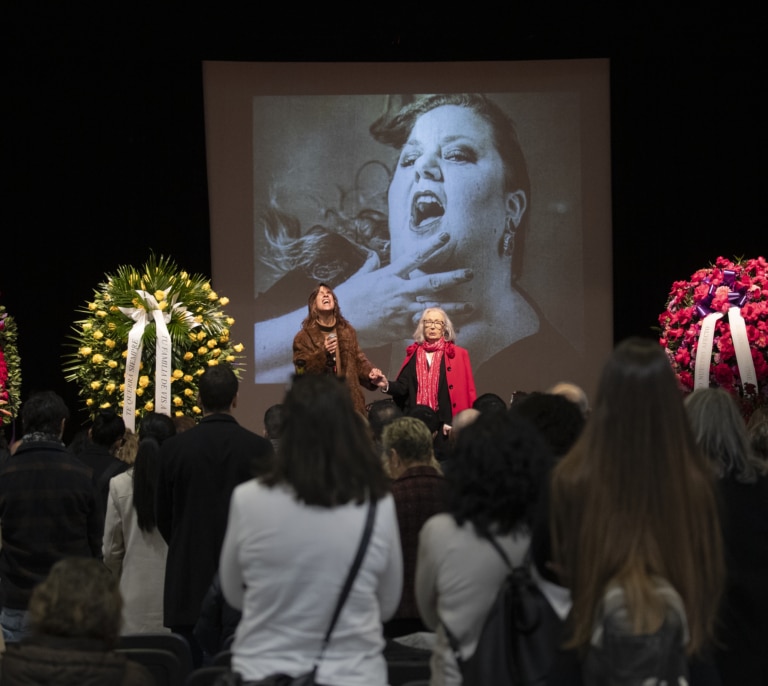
{"x": 141, "y": 317}
{"x": 744, "y": 362}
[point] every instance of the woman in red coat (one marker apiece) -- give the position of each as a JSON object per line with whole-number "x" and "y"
{"x": 435, "y": 372}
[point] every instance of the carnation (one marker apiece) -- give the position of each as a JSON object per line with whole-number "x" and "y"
{"x": 724, "y": 285}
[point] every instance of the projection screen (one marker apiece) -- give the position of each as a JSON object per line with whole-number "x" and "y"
{"x": 499, "y": 213}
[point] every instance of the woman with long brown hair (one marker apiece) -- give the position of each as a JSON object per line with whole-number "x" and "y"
{"x": 633, "y": 510}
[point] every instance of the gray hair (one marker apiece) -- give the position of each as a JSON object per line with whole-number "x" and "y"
{"x": 449, "y": 333}
{"x": 721, "y": 433}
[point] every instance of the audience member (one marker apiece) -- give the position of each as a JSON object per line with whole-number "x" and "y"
{"x": 489, "y": 402}
{"x": 75, "y": 619}
{"x": 380, "y": 414}
{"x": 492, "y": 488}
{"x": 218, "y": 620}
{"x": 558, "y": 419}
{"x": 560, "y": 423}
{"x": 134, "y": 550}
{"x": 291, "y": 539}
{"x": 48, "y": 509}
{"x": 273, "y": 424}
{"x": 199, "y": 468}
{"x": 634, "y": 512}
{"x": 721, "y": 433}
{"x": 100, "y": 452}
{"x": 440, "y": 441}
{"x": 183, "y": 422}
{"x": 757, "y": 428}
{"x": 418, "y": 488}
{"x": 574, "y": 393}
{"x": 126, "y": 451}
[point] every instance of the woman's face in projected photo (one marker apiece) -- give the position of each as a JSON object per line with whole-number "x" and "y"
{"x": 449, "y": 178}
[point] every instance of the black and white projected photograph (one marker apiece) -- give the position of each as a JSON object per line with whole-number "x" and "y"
{"x": 492, "y": 204}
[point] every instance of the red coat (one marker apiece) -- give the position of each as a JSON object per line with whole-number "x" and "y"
{"x": 457, "y": 384}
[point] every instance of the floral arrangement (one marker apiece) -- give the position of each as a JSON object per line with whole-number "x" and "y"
{"x": 146, "y": 337}
{"x": 713, "y": 303}
{"x": 10, "y": 369}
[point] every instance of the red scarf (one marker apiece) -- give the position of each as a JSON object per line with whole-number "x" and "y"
{"x": 428, "y": 375}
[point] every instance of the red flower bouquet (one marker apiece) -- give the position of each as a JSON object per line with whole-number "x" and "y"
{"x": 720, "y": 316}
{"x": 10, "y": 369}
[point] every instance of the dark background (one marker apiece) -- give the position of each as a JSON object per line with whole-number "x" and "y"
{"x": 104, "y": 134}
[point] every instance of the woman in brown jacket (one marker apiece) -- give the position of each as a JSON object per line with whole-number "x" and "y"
{"x": 327, "y": 344}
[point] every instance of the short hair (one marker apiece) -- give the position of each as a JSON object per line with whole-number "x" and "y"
{"x": 326, "y": 455}
{"x": 43, "y": 412}
{"x": 449, "y": 332}
{"x": 412, "y": 440}
{"x": 558, "y": 419}
{"x": 721, "y": 432}
{"x": 381, "y": 413}
{"x": 79, "y": 598}
{"x": 427, "y": 415}
{"x": 108, "y": 427}
{"x": 489, "y": 402}
{"x": 183, "y": 422}
{"x": 574, "y": 393}
{"x": 273, "y": 420}
{"x": 218, "y": 387}
{"x": 461, "y": 420}
{"x": 496, "y": 468}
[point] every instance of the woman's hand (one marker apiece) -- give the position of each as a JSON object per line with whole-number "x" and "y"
{"x": 377, "y": 377}
{"x": 385, "y": 304}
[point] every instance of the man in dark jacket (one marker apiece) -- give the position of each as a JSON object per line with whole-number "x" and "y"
{"x": 199, "y": 470}
{"x": 48, "y": 509}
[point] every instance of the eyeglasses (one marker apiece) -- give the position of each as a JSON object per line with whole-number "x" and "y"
{"x": 434, "y": 322}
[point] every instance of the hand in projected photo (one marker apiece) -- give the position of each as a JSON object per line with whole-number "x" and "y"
{"x": 386, "y": 303}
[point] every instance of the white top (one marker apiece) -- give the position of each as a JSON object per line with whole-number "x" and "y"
{"x": 284, "y": 563}
{"x": 457, "y": 578}
{"x": 135, "y": 557}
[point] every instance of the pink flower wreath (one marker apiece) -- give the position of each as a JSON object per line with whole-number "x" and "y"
{"x": 729, "y": 289}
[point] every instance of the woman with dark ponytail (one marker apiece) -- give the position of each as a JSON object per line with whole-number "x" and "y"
{"x": 133, "y": 548}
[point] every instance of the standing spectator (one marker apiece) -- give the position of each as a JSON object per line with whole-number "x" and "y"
{"x": 418, "y": 487}
{"x": 742, "y": 483}
{"x": 634, "y": 512}
{"x": 380, "y": 413}
{"x": 291, "y": 539}
{"x": 199, "y": 468}
{"x": 105, "y": 438}
{"x": 134, "y": 550}
{"x": 48, "y": 509}
{"x": 491, "y": 491}
{"x": 273, "y": 424}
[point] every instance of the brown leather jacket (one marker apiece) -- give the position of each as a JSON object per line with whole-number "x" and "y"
{"x": 352, "y": 364}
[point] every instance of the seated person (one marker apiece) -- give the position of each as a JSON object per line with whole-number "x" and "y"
{"x": 75, "y": 616}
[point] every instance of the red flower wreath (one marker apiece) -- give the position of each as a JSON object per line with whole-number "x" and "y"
{"x": 741, "y": 284}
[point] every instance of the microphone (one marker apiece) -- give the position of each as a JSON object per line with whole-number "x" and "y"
{"x": 332, "y": 337}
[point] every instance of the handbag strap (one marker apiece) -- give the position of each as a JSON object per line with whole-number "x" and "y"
{"x": 350, "y": 577}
